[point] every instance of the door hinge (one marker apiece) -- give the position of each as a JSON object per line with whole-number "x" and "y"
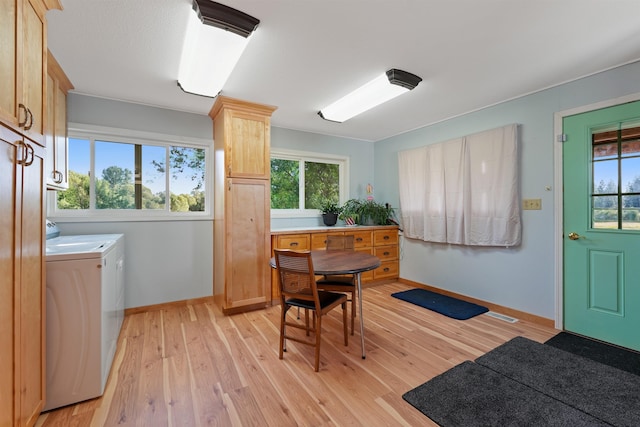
{"x": 562, "y": 137}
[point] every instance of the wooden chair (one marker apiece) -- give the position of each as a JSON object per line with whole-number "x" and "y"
{"x": 298, "y": 288}
{"x": 342, "y": 283}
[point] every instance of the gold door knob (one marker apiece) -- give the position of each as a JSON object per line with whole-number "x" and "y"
{"x": 574, "y": 236}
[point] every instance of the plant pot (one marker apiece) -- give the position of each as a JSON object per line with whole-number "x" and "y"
{"x": 329, "y": 219}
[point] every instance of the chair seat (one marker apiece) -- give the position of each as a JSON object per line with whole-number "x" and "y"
{"x": 326, "y": 299}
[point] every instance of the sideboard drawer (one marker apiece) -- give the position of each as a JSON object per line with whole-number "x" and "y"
{"x": 296, "y": 242}
{"x": 386, "y": 270}
{"x": 361, "y": 239}
{"x": 386, "y": 253}
{"x": 319, "y": 240}
{"x": 385, "y": 237}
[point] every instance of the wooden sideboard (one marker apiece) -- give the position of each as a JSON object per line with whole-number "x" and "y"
{"x": 381, "y": 241}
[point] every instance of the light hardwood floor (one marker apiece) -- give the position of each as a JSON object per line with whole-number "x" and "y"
{"x": 192, "y": 366}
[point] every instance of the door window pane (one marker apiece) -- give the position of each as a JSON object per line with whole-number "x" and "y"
{"x": 605, "y": 177}
{"x": 616, "y": 177}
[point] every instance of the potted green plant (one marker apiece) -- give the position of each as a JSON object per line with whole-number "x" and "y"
{"x": 330, "y": 211}
{"x": 350, "y": 213}
{"x": 374, "y": 213}
{"x": 366, "y": 212}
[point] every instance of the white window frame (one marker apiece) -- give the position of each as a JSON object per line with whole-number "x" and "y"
{"x": 308, "y": 156}
{"x": 109, "y": 134}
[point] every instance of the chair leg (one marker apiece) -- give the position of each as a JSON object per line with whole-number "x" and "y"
{"x": 353, "y": 310}
{"x": 306, "y": 319}
{"x": 318, "y": 323}
{"x": 344, "y": 323}
{"x": 283, "y": 344}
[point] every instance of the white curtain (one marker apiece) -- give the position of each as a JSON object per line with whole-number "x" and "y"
{"x": 463, "y": 191}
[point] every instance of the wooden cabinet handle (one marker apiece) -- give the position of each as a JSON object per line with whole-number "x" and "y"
{"x": 28, "y": 153}
{"x": 386, "y": 253}
{"x": 293, "y": 244}
{"x": 386, "y": 237}
{"x": 26, "y": 115}
{"x": 359, "y": 239}
{"x": 30, "y": 115}
{"x": 386, "y": 269}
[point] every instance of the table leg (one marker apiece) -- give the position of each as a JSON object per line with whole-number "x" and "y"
{"x": 359, "y": 282}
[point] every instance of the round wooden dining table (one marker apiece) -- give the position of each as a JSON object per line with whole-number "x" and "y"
{"x": 335, "y": 262}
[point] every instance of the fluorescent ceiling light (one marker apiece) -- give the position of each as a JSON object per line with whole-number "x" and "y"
{"x": 216, "y": 37}
{"x": 381, "y": 89}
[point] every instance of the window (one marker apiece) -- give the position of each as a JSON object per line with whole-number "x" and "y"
{"x": 301, "y": 182}
{"x": 616, "y": 178}
{"x": 140, "y": 175}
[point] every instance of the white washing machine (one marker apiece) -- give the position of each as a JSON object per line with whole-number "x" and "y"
{"x": 85, "y": 310}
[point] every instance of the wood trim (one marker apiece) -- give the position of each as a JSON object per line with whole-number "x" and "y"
{"x": 55, "y": 71}
{"x": 53, "y": 4}
{"x": 333, "y": 229}
{"x": 521, "y": 315}
{"x": 239, "y": 105}
{"x": 167, "y": 305}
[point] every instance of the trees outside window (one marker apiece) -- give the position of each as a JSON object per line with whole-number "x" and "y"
{"x": 304, "y": 182}
{"x": 134, "y": 176}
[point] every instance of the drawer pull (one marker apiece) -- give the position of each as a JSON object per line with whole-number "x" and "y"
{"x": 386, "y": 253}
{"x": 359, "y": 239}
{"x": 386, "y": 269}
{"x": 386, "y": 237}
{"x": 293, "y": 244}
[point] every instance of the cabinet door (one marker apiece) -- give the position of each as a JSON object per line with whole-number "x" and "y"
{"x": 249, "y": 152}
{"x": 32, "y": 288}
{"x": 56, "y": 136}
{"x": 61, "y": 168}
{"x": 8, "y": 53}
{"x": 7, "y": 276}
{"x": 50, "y": 133}
{"x": 33, "y": 70}
{"x": 247, "y": 270}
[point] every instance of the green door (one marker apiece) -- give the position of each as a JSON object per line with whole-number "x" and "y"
{"x": 601, "y": 166}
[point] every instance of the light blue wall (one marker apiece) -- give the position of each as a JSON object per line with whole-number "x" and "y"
{"x": 173, "y": 260}
{"x": 521, "y": 278}
{"x": 165, "y": 260}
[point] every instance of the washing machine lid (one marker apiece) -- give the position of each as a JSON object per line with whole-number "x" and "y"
{"x": 80, "y": 246}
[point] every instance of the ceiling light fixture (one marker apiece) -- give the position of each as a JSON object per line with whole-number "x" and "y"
{"x": 216, "y": 37}
{"x": 381, "y": 89}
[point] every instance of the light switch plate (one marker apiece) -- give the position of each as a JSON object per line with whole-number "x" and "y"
{"x": 532, "y": 204}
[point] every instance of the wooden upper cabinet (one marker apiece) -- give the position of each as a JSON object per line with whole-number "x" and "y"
{"x": 23, "y": 74}
{"x": 242, "y": 132}
{"x": 9, "y": 55}
{"x": 58, "y": 85}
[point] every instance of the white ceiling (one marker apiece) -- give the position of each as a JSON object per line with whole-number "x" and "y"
{"x": 306, "y": 54}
